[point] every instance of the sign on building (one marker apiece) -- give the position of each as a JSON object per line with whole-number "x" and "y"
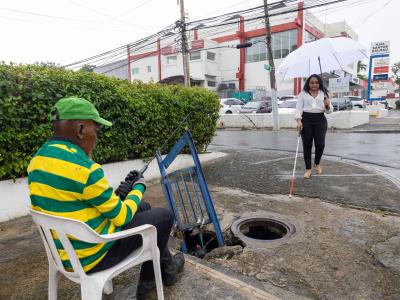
{"x": 383, "y": 61}
{"x": 339, "y": 85}
{"x": 381, "y": 69}
{"x": 380, "y": 47}
{"x": 380, "y": 77}
{"x": 378, "y": 70}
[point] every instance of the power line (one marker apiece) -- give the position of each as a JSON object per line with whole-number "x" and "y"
{"x": 136, "y": 7}
{"x": 104, "y": 15}
{"x": 275, "y": 14}
{"x": 133, "y": 44}
{"x": 255, "y": 19}
{"x": 317, "y": 4}
{"x": 110, "y": 52}
{"x": 374, "y": 12}
{"x": 47, "y": 16}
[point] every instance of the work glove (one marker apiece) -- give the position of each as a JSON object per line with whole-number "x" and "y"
{"x": 123, "y": 189}
{"x": 135, "y": 177}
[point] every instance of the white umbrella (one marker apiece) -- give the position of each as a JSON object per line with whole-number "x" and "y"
{"x": 323, "y": 55}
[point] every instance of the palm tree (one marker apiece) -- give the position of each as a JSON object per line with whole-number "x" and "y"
{"x": 361, "y": 66}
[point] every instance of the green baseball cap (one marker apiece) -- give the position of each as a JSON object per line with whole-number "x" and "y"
{"x": 74, "y": 108}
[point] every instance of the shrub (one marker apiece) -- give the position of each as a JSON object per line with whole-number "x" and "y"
{"x": 397, "y": 104}
{"x": 143, "y": 115}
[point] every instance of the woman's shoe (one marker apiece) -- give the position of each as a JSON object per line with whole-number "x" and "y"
{"x": 318, "y": 169}
{"x": 307, "y": 174}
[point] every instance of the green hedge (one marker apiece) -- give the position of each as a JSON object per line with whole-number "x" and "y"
{"x": 144, "y": 115}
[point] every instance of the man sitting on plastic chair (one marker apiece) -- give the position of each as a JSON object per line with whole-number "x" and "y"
{"x": 64, "y": 181}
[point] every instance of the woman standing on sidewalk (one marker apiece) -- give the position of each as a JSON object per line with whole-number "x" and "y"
{"x": 312, "y": 103}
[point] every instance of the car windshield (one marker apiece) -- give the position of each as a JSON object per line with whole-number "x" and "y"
{"x": 338, "y": 100}
{"x": 255, "y": 104}
{"x": 354, "y": 98}
{"x": 288, "y": 104}
{"x": 286, "y": 98}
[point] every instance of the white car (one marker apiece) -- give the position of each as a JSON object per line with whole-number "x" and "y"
{"x": 282, "y": 99}
{"x": 230, "y": 106}
{"x": 287, "y": 107}
{"x": 356, "y": 101}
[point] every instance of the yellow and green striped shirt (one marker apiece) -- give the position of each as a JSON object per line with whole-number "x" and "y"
{"x": 64, "y": 181}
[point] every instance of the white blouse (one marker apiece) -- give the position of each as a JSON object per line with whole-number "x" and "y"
{"x": 307, "y": 103}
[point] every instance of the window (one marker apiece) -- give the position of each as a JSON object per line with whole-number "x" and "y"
{"x": 135, "y": 71}
{"x": 210, "y": 55}
{"x": 282, "y": 44}
{"x": 211, "y": 83}
{"x": 171, "y": 60}
{"x": 148, "y": 69}
{"x": 309, "y": 37}
{"x": 195, "y": 55}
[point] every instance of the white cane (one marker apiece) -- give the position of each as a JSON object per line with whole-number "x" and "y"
{"x": 294, "y": 167}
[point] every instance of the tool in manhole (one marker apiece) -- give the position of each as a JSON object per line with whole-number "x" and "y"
{"x": 189, "y": 199}
{"x": 262, "y": 230}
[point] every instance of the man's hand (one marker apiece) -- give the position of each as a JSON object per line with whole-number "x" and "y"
{"x": 123, "y": 189}
{"x": 133, "y": 176}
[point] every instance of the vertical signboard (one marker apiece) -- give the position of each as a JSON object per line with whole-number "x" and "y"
{"x": 378, "y": 71}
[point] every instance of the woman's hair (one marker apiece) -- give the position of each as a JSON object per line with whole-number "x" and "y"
{"x": 306, "y": 87}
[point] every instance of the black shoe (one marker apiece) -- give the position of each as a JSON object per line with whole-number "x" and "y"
{"x": 170, "y": 272}
{"x": 144, "y": 287}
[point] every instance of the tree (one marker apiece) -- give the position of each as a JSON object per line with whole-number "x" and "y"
{"x": 361, "y": 67}
{"x": 396, "y": 74}
{"x": 87, "y": 68}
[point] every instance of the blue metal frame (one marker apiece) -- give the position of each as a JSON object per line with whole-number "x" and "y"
{"x": 370, "y": 73}
{"x": 186, "y": 140}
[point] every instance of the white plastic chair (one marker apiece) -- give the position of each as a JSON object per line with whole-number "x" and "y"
{"x": 92, "y": 285}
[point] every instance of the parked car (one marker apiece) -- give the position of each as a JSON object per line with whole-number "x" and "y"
{"x": 230, "y": 106}
{"x": 287, "y": 107}
{"x": 282, "y": 99}
{"x": 357, "y": 101}
{"x": 253, "y": 107}
{"x": 387, "y": 104}
{"x": 341, "y": 104}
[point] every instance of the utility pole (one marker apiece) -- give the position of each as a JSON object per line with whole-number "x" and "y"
{"x": 272, "y": 79}
{"x": 186, "y": 70}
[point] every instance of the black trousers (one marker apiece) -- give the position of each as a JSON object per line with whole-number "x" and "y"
{"x": 314, "y": 129}
{"x": 162, "y": 219}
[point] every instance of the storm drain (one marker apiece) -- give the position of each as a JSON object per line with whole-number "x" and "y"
{"x": 262, "y": 230}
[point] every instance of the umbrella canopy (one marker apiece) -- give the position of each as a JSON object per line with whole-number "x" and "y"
{"x": 323, "y": 55}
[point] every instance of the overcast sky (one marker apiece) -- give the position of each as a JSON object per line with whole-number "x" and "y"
{"x": 64, "y": 31}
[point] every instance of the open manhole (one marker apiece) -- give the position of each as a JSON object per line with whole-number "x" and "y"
{"x": 198, "y": 245}
{"x": 262, "y": 230}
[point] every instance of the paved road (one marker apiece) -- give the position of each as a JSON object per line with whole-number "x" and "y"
{"x": 360, "y": 169}
{"x": 379, "y": 151}
{"x": 390, "y": 123}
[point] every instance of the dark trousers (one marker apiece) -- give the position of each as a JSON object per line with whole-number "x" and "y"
{"x": 162, "y": 219}
{"x": 314, "y": 129}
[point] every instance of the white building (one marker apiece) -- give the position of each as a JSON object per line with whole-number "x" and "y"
{"x": 216, "y": 65}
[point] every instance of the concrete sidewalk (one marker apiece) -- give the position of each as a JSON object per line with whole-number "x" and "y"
{"x": 346, "y": 244}
{"x": 389, "y": 124}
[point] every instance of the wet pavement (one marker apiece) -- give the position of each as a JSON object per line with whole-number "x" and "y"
{"x": 388, "y": 124}
{"x": 269, "y": 172}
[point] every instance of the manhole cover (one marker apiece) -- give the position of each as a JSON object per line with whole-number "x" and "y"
{"x": 262, "y": 230}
